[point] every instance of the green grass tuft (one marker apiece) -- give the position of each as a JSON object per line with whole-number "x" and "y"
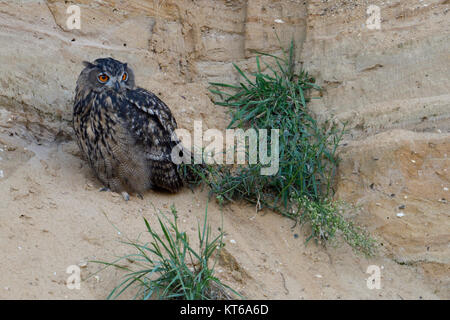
{"x": 168, "y": 267}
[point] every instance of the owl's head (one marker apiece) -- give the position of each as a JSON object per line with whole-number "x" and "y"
{"x": 106, "y": 74}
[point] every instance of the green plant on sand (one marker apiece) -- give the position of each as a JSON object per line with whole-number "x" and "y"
{"x": 277, "y": 98}
{"x": 168, "y": 267}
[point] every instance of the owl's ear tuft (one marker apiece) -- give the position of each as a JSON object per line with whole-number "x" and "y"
{"x": 88, "y": 64}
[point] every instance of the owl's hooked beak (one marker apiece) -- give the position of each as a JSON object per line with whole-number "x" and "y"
{"x": 117, "y": 85}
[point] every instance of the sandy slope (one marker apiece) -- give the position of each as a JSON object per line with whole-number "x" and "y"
{"x": 52, "y": 216}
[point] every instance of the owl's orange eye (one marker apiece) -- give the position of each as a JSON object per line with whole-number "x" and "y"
{"x": 103, "y": 78}
{"x": 124, "y": 76}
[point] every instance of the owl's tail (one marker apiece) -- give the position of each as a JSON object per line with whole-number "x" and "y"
{"x": 170, "y": 176}
{"x": 191, "y": 172}
{"x": 165, "y": 175}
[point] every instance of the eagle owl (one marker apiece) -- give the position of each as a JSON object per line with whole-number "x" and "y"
{"x": 124, "y": 131}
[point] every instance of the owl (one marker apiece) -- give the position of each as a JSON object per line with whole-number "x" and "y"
{"x": 126, "y": 133}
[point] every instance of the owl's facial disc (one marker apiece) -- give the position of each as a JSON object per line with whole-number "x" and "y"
{"x": 109, "y": 74}
{"x": 114, "y": 82}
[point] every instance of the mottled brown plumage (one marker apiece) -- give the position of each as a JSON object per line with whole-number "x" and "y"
{"x": 125, "y": 132}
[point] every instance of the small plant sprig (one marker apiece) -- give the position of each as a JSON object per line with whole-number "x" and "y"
{"x": 326, "y": 221}
{"x": 168, "y": 267}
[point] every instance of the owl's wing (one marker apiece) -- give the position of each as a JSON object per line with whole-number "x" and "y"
{"x": 152, "y": 123}
{"x": 151, "y": 104}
